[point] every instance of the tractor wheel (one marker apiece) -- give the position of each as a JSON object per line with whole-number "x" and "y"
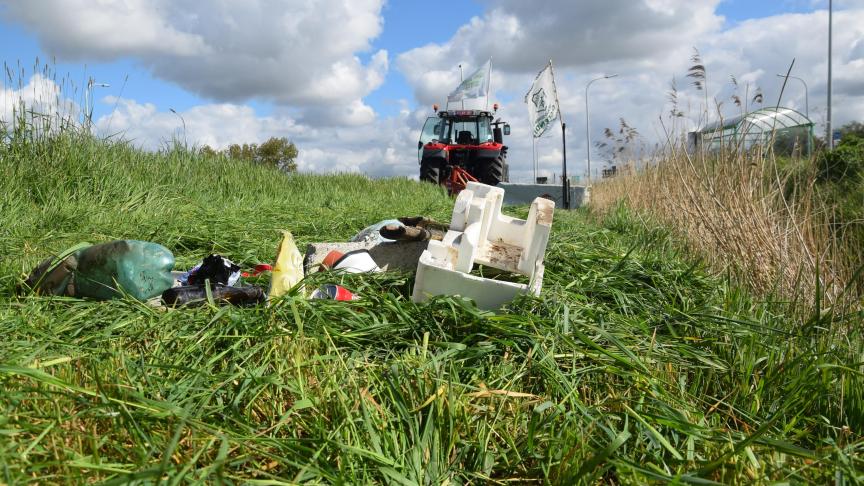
{"x": 430, "y": 172}
{"x": 493, "y": 172}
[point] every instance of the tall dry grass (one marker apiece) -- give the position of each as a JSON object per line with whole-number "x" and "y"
{"x": 735, "y": 209}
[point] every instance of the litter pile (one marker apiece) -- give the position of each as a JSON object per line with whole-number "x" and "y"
{"x": 443, "y": 257}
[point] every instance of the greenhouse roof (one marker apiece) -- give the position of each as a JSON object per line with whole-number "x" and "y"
{"x": 766, "y": 119}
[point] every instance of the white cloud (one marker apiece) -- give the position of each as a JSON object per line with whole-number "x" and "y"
{"x": 299, "y": 52}
{"x": 520, "y": 36}
{"x": 216, "y": 125}
{"x": 355, "y": 113}
{"x": 42, "y": 101}
{"x": 378, "y": 148}
{"x": 767, "y": 47}
{"x": 105, "y": 29}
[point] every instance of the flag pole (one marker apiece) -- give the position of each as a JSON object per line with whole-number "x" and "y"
{"x": 461, "y": 79}
{"x": 488, "y": 83}
{"x": 534, "y": 156}
{"x": 565, "y": 184}
{"x": 534, "y": 165}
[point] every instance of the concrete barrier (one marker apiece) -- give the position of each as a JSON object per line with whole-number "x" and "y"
{"x": 515, "y": 194}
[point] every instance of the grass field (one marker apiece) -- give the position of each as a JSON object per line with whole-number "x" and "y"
{"x": 634, "y": 365}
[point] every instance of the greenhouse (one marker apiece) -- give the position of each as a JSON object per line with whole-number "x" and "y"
{"x": 790, "y": 131}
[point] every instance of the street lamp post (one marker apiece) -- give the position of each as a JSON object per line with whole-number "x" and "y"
{"x": 830, "y": 21}
{"x": 88, "y": 101}
{"x": 806, "y": 94}
{"x": 588, "y": 124}
{"x": 183, "y": 121}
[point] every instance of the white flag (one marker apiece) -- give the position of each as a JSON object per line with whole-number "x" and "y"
{"x": 474, "y": 86}
{"x": 542, "y": 102}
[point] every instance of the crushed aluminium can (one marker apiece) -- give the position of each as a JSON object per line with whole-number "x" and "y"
{"x": 333, "y": 292}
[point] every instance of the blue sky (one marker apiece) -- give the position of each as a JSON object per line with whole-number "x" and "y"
{"x": 738, "y": 10}
{"x": 403, "y": 29}
{"x": 400, "y": 56}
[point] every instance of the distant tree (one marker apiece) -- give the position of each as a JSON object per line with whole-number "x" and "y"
{"x": 844, "y": 164}
{"x": 208, "y": 151}
{"x": 277, "y": 152}
{"x": 853, "y": 128}
{"x": 247, "y": 151}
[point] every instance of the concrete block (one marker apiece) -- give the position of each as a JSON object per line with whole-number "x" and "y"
{"x": 401, "y": 255}
{"x": 518, "y": 194}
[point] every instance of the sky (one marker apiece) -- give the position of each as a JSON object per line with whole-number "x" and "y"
{"x": 351, "y": 82}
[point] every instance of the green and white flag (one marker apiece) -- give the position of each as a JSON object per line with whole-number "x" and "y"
{"x": 474, "y": 86}
{"x": 542, "y": 100}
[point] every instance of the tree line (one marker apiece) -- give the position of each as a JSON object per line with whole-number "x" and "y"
{"x": 277, "y": 152}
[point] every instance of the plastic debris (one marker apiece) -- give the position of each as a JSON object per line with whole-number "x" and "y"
{"x": 333, "y": 292}
{"x": 400, "y": 255}
{"x": 357, "y": 261}
{"x": 424, "y": 222}
{"x": 215, "y": 268}
{"x": 288, "y": 270}
{"x": 408, "y": 233}
{"x": 479, "y": 233}
{"x": 371, "y": 233}
{"x": 106, "y": 271}
{"x": 258, "y": 270}
{"x": 332, "y": 258}
{"x": 419, "y": 228}
{"x": 191, "y": 295}
{"x": 393, "y": 244}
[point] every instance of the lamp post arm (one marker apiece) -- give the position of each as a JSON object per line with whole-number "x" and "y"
{"x": 806, "y": 93}
{"x": 588, "y": 124}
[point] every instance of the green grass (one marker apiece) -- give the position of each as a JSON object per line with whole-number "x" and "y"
{"x": 633, "y": 366}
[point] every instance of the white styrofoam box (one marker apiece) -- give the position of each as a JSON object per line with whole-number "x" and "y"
{"x": 480, "y": 234}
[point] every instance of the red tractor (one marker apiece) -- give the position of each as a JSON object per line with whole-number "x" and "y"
{"x": 463, "y": 145}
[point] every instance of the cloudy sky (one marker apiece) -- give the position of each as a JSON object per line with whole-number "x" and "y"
{"x": 351, "y": 82}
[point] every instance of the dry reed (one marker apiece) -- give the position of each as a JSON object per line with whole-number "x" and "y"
{"x": 729, "y": 207}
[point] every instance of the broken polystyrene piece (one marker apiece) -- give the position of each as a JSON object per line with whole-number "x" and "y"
{"x": 480, "y": 234}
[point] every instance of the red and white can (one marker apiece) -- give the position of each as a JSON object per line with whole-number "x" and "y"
{"x": 333, "y": 292}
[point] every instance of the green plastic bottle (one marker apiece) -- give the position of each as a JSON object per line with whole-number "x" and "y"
{"x": 140, "y": 268}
